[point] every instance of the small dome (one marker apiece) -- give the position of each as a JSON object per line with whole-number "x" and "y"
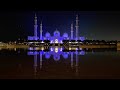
{"x": 47, "y": 35}
{"x": 56, "y": 57}
{"x": 56, "y": 33}
{"x": 65, "y": 35}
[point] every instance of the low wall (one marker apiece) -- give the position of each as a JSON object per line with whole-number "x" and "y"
{"x": 17, "y": 46}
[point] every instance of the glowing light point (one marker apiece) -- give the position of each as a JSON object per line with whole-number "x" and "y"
{"x": 42, "y": 48}
{"x": 30, "y": 48}
{"x": 51, "y": 41}
{"x": 60, "y": 49}
{"x": 56, "y": 50}
{"x": 76, "y": 48}
{"x": 51, "y": 49}
{"x": 56, "y": 40}
{"x": 61, "y": 41}
{"x": 70, "y": 48}
{"x": 42, "y": 42}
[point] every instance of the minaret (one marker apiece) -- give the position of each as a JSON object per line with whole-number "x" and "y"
{"x": 76, "y": 63}
{"x": 41, "y": 31}
{"x": 35, "y": 27}
{"x": 71, "y": 59}
{"x": 40, "y": 60}
{"x": 71, "y": 31}
{"x": 77, "y": 27}
{"x": 35, "y": 64}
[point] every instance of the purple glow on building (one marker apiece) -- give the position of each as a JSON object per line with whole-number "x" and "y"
{"x": 33, "y": 38}
{"x": 82, "y": 38}
{"x": 47, "y": 36}
{"x": 30, "y": 38}
{"x": 57, "y": 37}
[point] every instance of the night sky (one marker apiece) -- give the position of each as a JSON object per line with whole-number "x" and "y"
{"x": 103, "y": 25}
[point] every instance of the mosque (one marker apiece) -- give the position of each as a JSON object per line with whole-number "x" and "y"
{"x": 57, "y": 37}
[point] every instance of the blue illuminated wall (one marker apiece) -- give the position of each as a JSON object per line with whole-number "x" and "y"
{"x": 56, "y": 36}
{"x": 33, "y": 38}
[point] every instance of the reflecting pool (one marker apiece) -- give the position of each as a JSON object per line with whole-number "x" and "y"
{"x": 59, "y": 63}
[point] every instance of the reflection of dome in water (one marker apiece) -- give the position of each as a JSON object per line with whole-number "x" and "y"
{"x": 47, "y": 35}
{"x": 56, "y": 57}
{"x": 65, "y": 55}
{"x": 47, "y": 55}
{"x": 65, "y": 35}
{"x": 82, "y": 53}
{"x": 56, "y": 33}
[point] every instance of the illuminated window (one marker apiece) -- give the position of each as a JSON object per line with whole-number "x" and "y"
{"x": 56, "y": 40}
{"x": 76, "y": 48}
{"x": 61, "y": 41}
{"x": 42, "y": 48}
{"x": 51, "y": 41}
{"x": 70, "y": 48}
{"x": 51, "y": 49}
{"x": 60, "y": 49}
{"x": 56, "y": 50}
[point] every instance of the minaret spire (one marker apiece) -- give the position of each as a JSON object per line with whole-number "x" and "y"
{"x": 77, "y": 27}
{"x": 35, "y": 27}
{"x": 71, "y": 31}
{"x": 41, "y": 30}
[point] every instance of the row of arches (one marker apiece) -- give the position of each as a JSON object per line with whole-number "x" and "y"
{"x": 56, "y": 34}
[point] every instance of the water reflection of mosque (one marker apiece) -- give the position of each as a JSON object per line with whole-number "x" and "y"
{"x": 56, "y": 53}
